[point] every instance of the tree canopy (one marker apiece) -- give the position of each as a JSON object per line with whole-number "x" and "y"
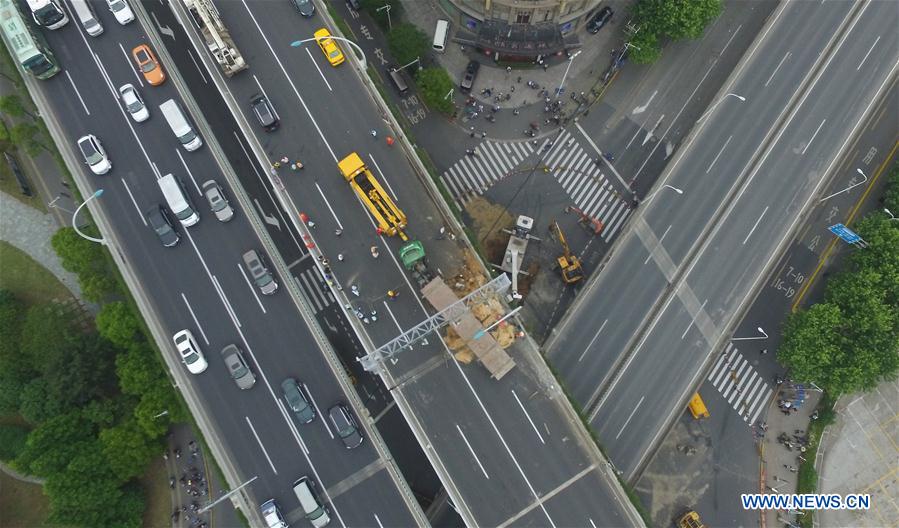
{"x": 850, "y": 341}
{"x": 435, "y": 84}
{"x": 406, "y": 42}
{"x": 669, "y": 19}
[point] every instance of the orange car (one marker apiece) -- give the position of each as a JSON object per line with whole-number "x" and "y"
{"x": 148, "y": 64}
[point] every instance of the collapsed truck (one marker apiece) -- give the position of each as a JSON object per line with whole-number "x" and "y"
{"x": 391, "y": 220}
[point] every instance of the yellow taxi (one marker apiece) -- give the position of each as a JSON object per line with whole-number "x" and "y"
{"x": 329, "y": 47}
{"x": 148, "y": 64}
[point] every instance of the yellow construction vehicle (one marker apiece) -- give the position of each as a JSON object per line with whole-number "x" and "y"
{"x": 568, "y": 263}
{"x": 391, "y": 221}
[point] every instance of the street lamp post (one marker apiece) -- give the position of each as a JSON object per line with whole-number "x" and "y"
{"x": 718, "y": 102}
{"x": 892, "y": 217}
{"x": 298, "y": 43}
{"x": 417, "y": 59}
{"x": 653, "y": 195}
{"x": 96, "y": 194}
{"x": 206, "y": 508}
{"x": 387, "y": 7}
{"x": 562, "y": 84}
{"x": 763, "y": 336}
{"x": 847, "y": 188}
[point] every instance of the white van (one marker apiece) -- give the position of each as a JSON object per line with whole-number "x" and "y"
{"x": 180, "y": 125}
{"x": 315, "y": 512}
{"x": 48, "y": 13}
{"x": 88, "y": 18}
{"x": 179, "y": 201}
{"x": 440, "y": 35}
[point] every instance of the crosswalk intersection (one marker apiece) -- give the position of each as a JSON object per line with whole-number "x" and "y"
{"x": 567, "y": 162}
{"x": 741, "y": 385}
{"x": 314, "y": 288}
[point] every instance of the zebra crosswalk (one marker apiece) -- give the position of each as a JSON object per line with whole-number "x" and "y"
{"x": 567, "y": 162}
{"x": 741, "y": 385}
{"x": 585, "y": 183}
{"x": 314, "y": 288}
{"x": 473, "y": 175}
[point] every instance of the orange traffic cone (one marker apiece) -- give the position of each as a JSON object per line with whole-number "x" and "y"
{"x": 389, "y": 140}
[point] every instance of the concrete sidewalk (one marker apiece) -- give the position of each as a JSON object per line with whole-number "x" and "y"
{"x": 781, "y": 447}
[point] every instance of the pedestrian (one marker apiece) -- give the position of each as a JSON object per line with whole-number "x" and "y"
{"x": 392, "y": 295}
{"x": 338, "y": 232}
{"x": 515, "y": 112}
{"x": 340, "y": 257}
{"x": 545, "y": 66}
{"x": 276, "y": 165}
{"x": 325, "y": 263}
{"x": 508, "y": 70}
{"x": 374, "y": 133}
{"x": 483, "y": 134}
{"x": 285, "y": 160}
{"x": 471, "y": 131}
{"x": 764, "y": 351}
{"x": 512, "y": 89}
{"x": 374, "y": 251}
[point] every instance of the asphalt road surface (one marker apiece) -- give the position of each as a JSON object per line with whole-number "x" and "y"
{"x": 200, "y": 285}
{"x": 636, "y": 342}
{"x": 506, "y": 450}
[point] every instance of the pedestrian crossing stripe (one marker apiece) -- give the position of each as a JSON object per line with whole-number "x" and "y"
{"x": 567, "y": 162}
{"x": 314, "y": 289}
{"x": 740, "y": 384}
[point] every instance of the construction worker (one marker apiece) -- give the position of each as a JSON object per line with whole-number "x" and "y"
{"x": 374, "y": 251}
{"x": 392, "y": 294}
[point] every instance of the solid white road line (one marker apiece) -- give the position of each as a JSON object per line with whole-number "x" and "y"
{"x": 131, "y": 66}
{"x": 319, "y": 411}
{"x": 86, "y": 111}
{"x": 689, "y": 326}
{"x": 377, "y": 520}
{"x": 139, "y": 213}
{"x": 718, "y": 155}
{"x": 869, "y": 52}
{"x": 813, "y": 136}
{"x": 105, "y": 75}
{"x": 186, "y": 168}
{"x": 476, "y": 459}
{"x": 540, "y": 436}
{"x": 224, "y": 297}
{"x": 623, "y": 427}
{"x": 194, "y": 316}
{"x": 197, "y": 66}
{"x": 590, "y": 345}
{"x": 779, "y": 64}
{"x": 264, "y": 452}
{"x": 264, "y": 93}
{"x": 322, "y": 193}
{"x": 383, "y": 177}
{"x": 658, "y": 244}
{"x": 320, "y": 72}
{"x": 755, "y": 225}
{"x": 252, "y": 289}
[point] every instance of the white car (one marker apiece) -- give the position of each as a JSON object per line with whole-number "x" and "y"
{"x": 121, "y": 10}
{"x": 94, "y": 155}
{"x": 190, "y": 352}
{"x": 133, "y": 103}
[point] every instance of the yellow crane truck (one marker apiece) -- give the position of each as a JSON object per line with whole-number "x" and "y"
{"x": 390, "y": 219}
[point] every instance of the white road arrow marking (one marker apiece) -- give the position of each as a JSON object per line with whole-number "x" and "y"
{"x": 641, "y": 109}
{"x": 271, "y": 220}
{"x": 165, "y": 30}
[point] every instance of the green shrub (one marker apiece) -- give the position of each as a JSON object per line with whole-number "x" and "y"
{"x": 435, "y": 85}
{"x": 406, "y": 43}
{"x": 12, "y": 441}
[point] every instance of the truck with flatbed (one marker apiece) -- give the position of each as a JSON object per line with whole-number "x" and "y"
{"x": 390, "y": 219}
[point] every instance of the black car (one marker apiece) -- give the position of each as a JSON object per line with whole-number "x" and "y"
{"x": 264, "y": 113}
{"x": 305, "y": 7}
{"x": 345, "y": 425}
{"x": 354, "y": 5}
{"x": 159, "y": 219}
{"x": 471, "y": 71}
{"x": 599, "y": 19}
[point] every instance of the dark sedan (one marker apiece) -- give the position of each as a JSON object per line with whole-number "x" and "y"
{"x": 599, "y": 19}
{"x": 471, "y": 71}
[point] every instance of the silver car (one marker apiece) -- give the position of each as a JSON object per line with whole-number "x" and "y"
{"x": 238, "y": 367}
{"x": 263, "y": 278}
{"x": 297, "y": 400}
{"x": 217, "y": 201}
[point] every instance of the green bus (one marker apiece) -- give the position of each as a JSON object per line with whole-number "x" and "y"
{"x": 26, "y": 45}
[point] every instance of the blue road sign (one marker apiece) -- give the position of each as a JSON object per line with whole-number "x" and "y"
{"x": 849, "y": 236}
